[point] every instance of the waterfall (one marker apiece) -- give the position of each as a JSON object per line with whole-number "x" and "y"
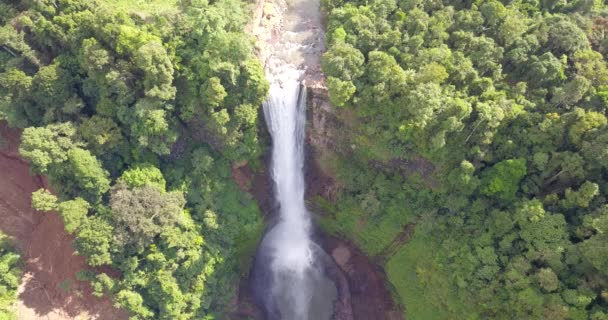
{"x": 289, "y": 240}
{"x": 285, "y": 117}
{"x": 289, "y": 278}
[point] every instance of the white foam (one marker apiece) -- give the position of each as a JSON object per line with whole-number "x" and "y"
{"x": 289, "y": 240}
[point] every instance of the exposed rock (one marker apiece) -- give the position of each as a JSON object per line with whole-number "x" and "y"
{"x": 341, "y": 255}
{"x": 324, "y": 136}
{"x": 368, "y": 293}
{"x": 242, "y": 175}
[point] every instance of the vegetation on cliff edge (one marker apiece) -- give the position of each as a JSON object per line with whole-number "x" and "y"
{"x": 485, "y": 123}
{"x": 136, "y": 112}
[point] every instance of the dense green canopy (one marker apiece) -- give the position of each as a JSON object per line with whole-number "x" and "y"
{"x": 10, "y": 277}
{"x": 483, "y": 122}
{"x": 136, "y": 110}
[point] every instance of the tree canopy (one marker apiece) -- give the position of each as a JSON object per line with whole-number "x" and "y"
{"x": 483, "y": 123}
{"x": 118, "y": 100}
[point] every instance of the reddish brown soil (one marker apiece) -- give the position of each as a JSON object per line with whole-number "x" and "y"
{"x": 257, "y": 184}
{"x": 369, "y": 296}
{"x": 49, "y": 289}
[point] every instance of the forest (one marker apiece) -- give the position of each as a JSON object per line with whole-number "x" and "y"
{"x": 136, "y": 117}
{"x": 503, "y": 103}
{"x": 478, "y": 124}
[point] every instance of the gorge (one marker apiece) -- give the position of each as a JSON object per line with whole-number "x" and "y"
{"x": 289, "y": 272}
{"x": 448, "y": 157}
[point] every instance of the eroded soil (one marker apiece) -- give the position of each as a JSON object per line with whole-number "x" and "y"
{"x": 49, "y": 289}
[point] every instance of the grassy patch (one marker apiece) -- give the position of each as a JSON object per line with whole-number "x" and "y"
{"x": 422, "y": 285}
{"x": 143, "y": 6}
{"x": 371, "y": 233}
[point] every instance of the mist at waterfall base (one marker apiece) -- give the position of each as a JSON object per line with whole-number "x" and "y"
{"x": 288, "y": 274}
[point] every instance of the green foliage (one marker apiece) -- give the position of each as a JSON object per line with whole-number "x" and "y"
{"x": 135, "y": 111}
{"x": 86, "y": 175}
{"x": 502, "y": 179}
{"x": 10, "y": 276}
{"x": 488, "y": 118}
{"x": 133, "y": 302}
{"x": 141, "y": 175}
{"x": 547, "y": 280}
{"x": 93, "y": 241}
{"x": 340, "y": 91}
{"x": 46, "y": 146}
{"x": 44, "y": 200}
{"x": 144, "y": 212}
{"x": 73, "y": 212}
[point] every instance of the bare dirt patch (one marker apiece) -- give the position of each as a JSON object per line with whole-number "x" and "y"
{"x": 49, "y": 289}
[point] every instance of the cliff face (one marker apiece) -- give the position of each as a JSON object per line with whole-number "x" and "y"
{"x": 327, "y": 133}
{"x": 322, "y": 121}
{"x": 321, "y": 131}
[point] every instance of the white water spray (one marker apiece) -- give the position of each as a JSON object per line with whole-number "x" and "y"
{"x": 290, "y": 239}
{"x": 290, "y": 279}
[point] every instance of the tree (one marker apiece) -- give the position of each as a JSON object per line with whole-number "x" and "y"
{"x": 145, "y": 174}
{"x": 584, "y": 123}
{"x": 103, "y": 284}
{"x": 43, "y": 200}
{"x": 530, "y": 211}
{"x": 502, "y": 179}
{"x": 153, "y": 60}
{"x": 564, "y": 36}
{"x": 547, "y": 280}
{"x": 433, "y": 72}
{"x": 340, "y": 92}
{"x": 246, "y": 115}
{"x": 53, "y": 94}
{"x": 46, "y": 146}
{"x": 93, "y": 241}
{"x": 133, "y": 302}
{"x": 142, "y": 213}
{"x": 581, "y": 197}
{"x": 213, "y": 92}
{"x": 102, "y": 134}
{"x": 74, "y": 213}
{"x": 593, "y": 249}
{"x": 93, "y": 57}
{"x": 85, "y": 175}
{"x": 591, "y": 65}
{"x": 16, "y": 106}
{"x": 344, "y": 62}
{"x": 10, "y": 276}
{"x": 512, "y": 27}
{"x": 571, "y": 93}
{"x": 151, "y": 128}
{"x": 545, "y": 70}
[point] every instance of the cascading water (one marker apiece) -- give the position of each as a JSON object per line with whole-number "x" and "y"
{"x": 297, "y": 288}
{"x": 285, "y": 117}
{"x": 289, "y": 277}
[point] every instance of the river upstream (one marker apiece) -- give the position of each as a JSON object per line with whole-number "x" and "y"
{"x": 289, "y": 274}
